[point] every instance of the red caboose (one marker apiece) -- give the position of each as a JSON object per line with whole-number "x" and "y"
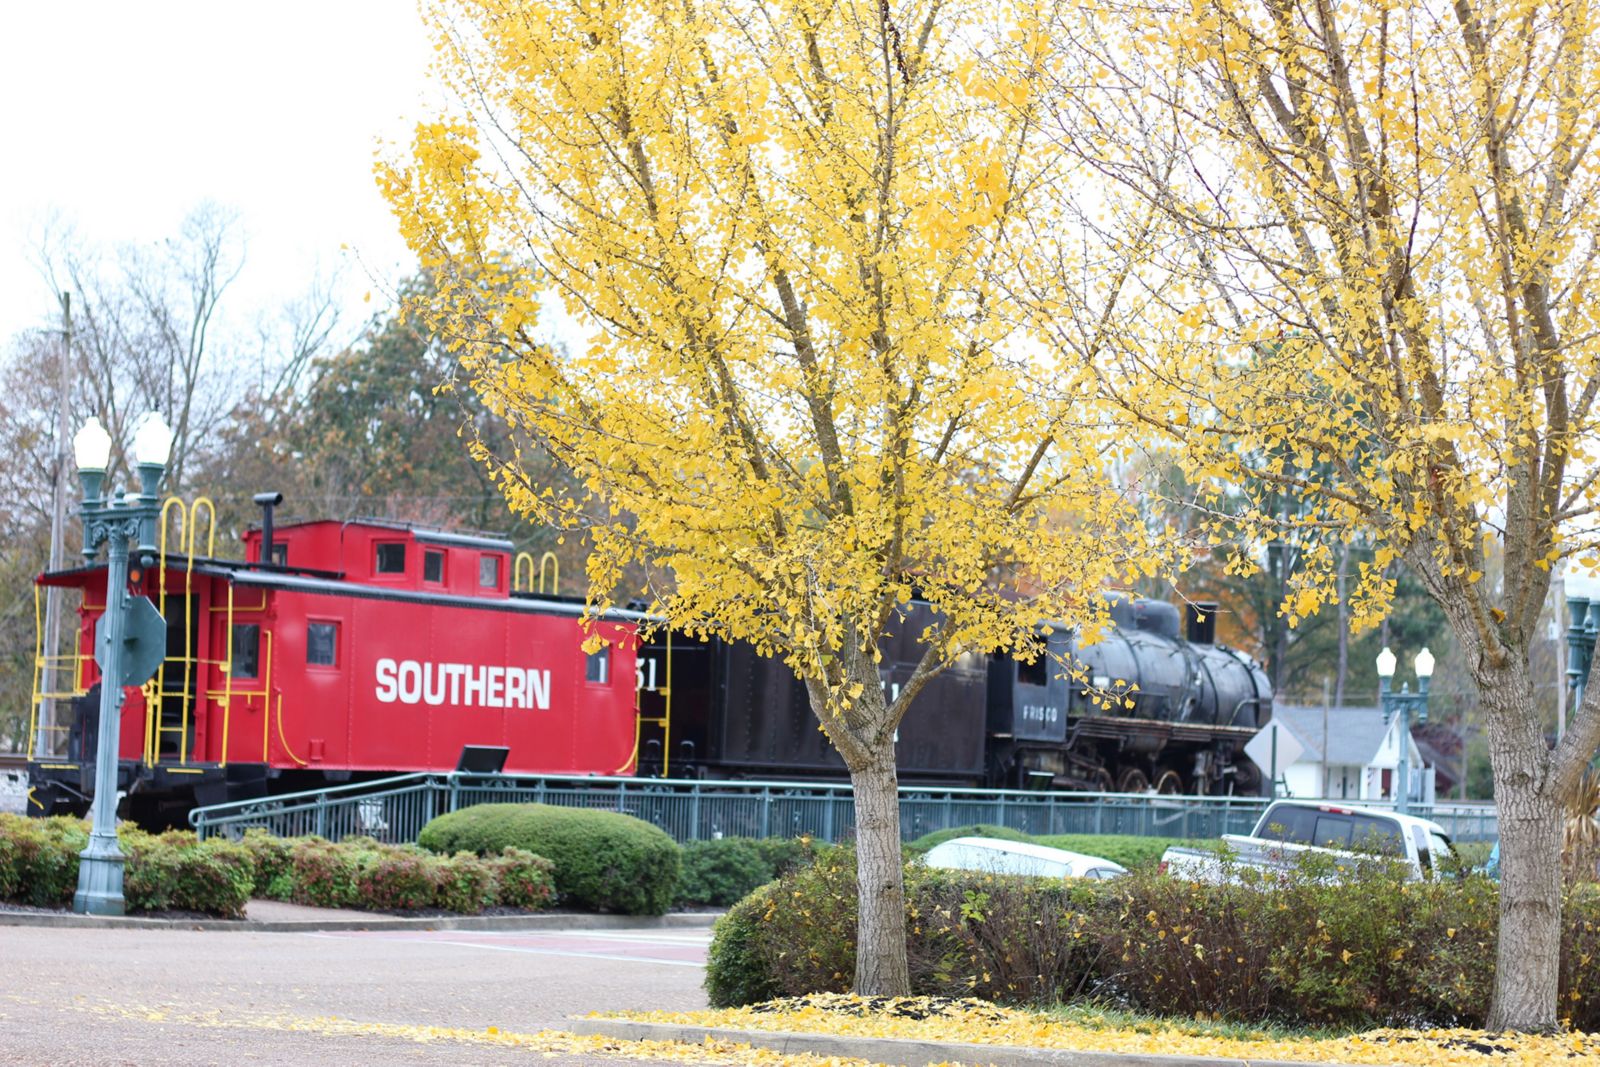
{"x": 338, "y": 649}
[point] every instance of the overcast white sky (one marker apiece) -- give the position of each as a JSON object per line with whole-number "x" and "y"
{"x": 121, "y": 117}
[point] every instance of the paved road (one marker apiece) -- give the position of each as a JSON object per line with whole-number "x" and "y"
{"x": 81, "y": 997}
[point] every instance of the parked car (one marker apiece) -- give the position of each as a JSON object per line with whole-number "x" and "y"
{"x": 1018, "y": 857}
{"x": 1289, "y": 830}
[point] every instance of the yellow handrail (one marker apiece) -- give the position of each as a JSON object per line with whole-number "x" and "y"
{"x": 555, "y": 573}
{"x": 266, "y": 699}
{"x": 516, "y": 573}
{"x": 227, "y": 673}
{"x": 284, "y": 741}
{"x": 188, "y": 536}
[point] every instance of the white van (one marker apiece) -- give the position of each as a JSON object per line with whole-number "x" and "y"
{"x": 997, "y": 856}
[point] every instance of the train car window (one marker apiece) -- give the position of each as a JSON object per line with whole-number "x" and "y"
{"x": 489, "y": 572}
{"x": 246, "y": 650}
{"x": 1035, "y": 673}
{"x": 322, "y": 644}
{"x": 280, "y": 554}
{"x": 391, "y": 558}
{"x": 597, "y": 667}
{"x": 433, "y": 566}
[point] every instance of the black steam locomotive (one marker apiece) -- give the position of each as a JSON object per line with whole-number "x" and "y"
{"x": 715, "y": 709}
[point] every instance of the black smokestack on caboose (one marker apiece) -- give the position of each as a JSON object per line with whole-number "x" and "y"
{"x": 1202, "y": 622}
{"x": 268, "y": 501}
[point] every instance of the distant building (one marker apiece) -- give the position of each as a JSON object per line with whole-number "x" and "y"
{"x": 1357, "y": 759}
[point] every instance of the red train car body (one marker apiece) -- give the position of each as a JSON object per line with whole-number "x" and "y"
{"x": 354, "y": 648}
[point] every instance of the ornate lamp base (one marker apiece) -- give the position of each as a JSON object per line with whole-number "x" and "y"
{"x": 99, "y": 878}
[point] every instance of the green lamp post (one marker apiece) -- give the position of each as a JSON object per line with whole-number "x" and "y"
{"x": 130, "y": 639}
{"x": 1401, "y": 704}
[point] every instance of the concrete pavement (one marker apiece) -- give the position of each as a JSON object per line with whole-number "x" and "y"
{"x": 76, "y": 997}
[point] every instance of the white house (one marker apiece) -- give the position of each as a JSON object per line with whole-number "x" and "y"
{"x": 1350, "y": 754}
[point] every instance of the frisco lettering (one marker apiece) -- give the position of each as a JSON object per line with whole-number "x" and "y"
{"x": 464, "y": 684}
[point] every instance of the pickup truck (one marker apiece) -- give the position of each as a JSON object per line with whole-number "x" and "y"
{"x": 1290, "y": 829}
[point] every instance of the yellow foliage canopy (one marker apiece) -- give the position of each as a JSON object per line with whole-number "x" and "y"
{"x": 796, "y": 233}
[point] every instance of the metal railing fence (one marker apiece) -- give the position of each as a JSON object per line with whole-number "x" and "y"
{"x": 396, "y": 809}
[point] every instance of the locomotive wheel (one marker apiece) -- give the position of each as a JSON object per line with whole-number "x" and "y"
{"x": 1103, "y": 782}
{"x": 1170, "y": 783}
{"x": 1133, "y": 780}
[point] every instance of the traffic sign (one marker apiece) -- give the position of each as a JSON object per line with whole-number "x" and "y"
{"x": 144, "y": 642}
{"x": 1274, "y": 748}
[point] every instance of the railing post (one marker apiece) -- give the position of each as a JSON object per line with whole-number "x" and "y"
{"x": 827, "y": 816}
{"x": 766, "y": 812}
{"x": 322, "y": 815}
{"x": 694, "y": 812}
{"x": 1099, "y": 812}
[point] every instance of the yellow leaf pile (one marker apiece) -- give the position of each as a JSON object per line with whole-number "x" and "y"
{"x": 976, "y": 1022}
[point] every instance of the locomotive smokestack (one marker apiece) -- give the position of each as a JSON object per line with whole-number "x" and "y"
{"x": 1202, "y": 619}
{"x": 268, "y": 501}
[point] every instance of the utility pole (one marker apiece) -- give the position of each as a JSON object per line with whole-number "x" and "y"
{"x": 49, "y": 739}
{"x": 1327, "y": 788}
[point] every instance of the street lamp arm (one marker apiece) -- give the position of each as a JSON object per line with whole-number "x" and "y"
{"x": 1578, "y": 747}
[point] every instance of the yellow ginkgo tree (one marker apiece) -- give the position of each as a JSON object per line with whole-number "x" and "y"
{"x": 789, "y": 232}
{"x": 1367, "y": 261}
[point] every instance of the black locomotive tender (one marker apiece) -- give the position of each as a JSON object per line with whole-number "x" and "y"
{"x": 734, "y": 713}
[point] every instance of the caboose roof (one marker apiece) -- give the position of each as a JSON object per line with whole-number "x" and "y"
{"x": 419, "y": 531}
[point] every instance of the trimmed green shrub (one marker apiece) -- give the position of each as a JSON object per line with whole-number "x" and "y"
{"x": 273, "y": 857}
{"x": 214, "y": 877}
{"x": 603, "y": 861}
{"x": 43, "y": 858}
{"x": 9, "y": 875}
{"x": 785, "y": 854}
{"x": 464, "y": 883}
{"x": 737, "y": 971}
{"x": 939, "y": 837}
{"x": 324, "y": 874}
{"x": 525, "y": 880}
{"x": 175, "y": 870}
{"x": 395, "y": 879}
{"x": 721, "y": 872}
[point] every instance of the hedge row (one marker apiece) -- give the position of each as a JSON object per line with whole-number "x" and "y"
{"x": 174, "y": 871}
{"x": 603, "y": 861}
{"x": 39, "y": 867}
{"x": 1379, "y": 951}
{"x": 359, "y": 872}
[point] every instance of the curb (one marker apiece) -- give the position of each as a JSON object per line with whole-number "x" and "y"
{"x": 687, "y": 921}
{"x": 902, "y": 1052}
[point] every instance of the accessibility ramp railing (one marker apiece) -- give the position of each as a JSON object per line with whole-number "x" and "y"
{"x": 396, "y": 809}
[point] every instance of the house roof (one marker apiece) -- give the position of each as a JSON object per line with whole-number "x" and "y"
{"x": 1354, "y": 734}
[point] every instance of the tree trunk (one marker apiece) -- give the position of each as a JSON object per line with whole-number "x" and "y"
{"x": 864, "y": 735}
{"x": 1526, "y": 968}
{"x": 881, "y": 968}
